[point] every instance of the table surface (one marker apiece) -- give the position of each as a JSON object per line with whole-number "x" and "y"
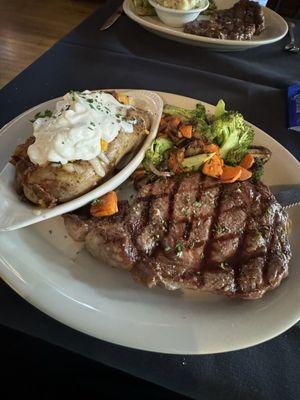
{"x": 125, "y": 56}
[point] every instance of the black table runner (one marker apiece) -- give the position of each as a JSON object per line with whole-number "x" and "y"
{"x": 126, "y": 56}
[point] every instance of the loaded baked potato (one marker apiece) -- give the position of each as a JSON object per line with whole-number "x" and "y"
{"x": 50, "y": 179}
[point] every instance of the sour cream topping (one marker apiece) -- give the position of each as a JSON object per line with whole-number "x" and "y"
{"x": 76, "y": 127}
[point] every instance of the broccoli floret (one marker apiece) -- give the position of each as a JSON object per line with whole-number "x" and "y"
{"x": 196, "y": 117}
{"x": 199, "y": 112}
{"x": 156, "y": 153}
{"x": 232, "y": 135}
{"x": 257, "y": 174}
{"x": 199, "y": 122}
{"x": 185, "y": 114}
{"x": 257, "y": 170}
{"x": 220, "y": 109}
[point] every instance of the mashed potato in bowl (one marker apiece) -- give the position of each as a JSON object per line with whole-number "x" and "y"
{"x": 180, "y": 4}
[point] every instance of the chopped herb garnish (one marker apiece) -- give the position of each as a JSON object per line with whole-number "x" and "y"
{"x": 187, "y": 198}
{"x": 257, "y": 232}
{"x": 92, "y": 123}
{"x": 192, "y": 244}
{"x": 178, "y": 249}
{"x": 197, "y": 204}
{"x": 268, "y": 212}
{"x": 184, "y": 211}
{"x": 97, "y": 202}
{"x": 73, "y": 93}
{"x": 219, "y": 229}
{"x": 166, "y": 247}
{"x": 278, "y": 252}
{"x": 46, "y": 114}
{"x": 223, "y": 265}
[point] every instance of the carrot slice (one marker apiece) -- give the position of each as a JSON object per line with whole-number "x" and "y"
{"x": 186, "y": 131}
{"x": 247, "y": 161}
{"x": 230, "y": 174}
{"x": 105, "y": 205}
{"x": 211, "y": 148}
{"x": 174, "y": 122}
{"x": 213, "y": 167}
{"x": 245, "y": 174}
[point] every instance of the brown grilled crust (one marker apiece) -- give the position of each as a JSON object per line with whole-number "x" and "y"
{"x": 245, "y": 250}
{"x": 192, "y": 232}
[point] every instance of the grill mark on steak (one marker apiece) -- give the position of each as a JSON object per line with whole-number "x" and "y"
{"x": 171, "y": 204}
{"x": 157, "y": 224}
{"x": 191, "y": 223}
{"x": 187, "y": 231}
{"x": 242, "y": 239}
{"x": 270, "y": 247}
{"x": 171, "y": 199}
{"x": 136, "y": 226}
{"x": 211, "y": 234}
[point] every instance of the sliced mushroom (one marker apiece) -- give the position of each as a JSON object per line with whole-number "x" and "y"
{"x": 194, "y": 148}
{"x": 261, "y": 153}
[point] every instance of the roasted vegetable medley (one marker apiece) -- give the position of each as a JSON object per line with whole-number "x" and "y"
{"x": 219, "y": 145}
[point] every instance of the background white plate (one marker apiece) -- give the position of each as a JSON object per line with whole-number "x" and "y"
{"x": 15, "y": 214}
{"x": 276, "y": 29}
{"x": 41, "y": 264}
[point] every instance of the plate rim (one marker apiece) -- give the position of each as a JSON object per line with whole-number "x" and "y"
{"x": 15, "y": 282}
{"x": 127, "y": 7}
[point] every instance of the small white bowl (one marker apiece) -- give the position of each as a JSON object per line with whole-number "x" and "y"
{"x": 177, "y": 18}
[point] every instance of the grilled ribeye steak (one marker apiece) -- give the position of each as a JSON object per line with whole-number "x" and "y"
{"x": 240, "y": 22}
{"x": 193, "y": 232}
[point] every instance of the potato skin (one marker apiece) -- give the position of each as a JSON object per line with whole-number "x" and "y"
{"x": 47, "y": 186}
{"x": 52, "y": 184}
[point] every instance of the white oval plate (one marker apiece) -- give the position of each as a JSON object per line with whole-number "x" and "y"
{"x": 276, "y": 29}
{"x": 16, "y": 214}
{"x": 106, "y": 303}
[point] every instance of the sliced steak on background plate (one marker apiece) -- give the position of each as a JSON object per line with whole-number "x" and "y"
{"x": 191, "y": 232}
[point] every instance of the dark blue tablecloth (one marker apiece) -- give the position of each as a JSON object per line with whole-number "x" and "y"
{"x": 126, "y": 56}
